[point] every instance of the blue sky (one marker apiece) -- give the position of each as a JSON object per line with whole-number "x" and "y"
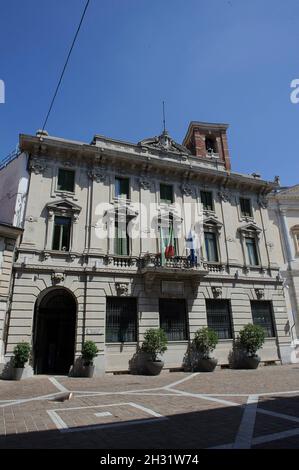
{"x": 210, "y": 60}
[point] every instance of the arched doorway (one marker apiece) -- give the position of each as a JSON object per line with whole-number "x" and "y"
{"x": 54, "y": 333}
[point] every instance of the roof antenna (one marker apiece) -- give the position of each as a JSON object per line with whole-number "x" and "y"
{"x": 164, "y": 127}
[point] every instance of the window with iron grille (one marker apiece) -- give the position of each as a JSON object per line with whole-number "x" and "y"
{"x": 66, "y": 180}
{"x": 121, "y": 320}
{"x": 219, "y": 317}
{"x": 207, "y": 200}
{"x": 166, "y": 193}
{"x": 122, "y": 188}
{"x": 262, "y": 316}
{"x": 62, "y": 233}
{"x": 245, "y": 206}
{"x": 173, "y": 318}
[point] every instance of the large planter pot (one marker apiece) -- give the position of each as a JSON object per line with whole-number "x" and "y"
{"x": 17, "y": 373}
{"x": 88, "y": 371}
{"x": 207, "y": 365}
{"x": 154, "y": 367}
{"x": 250, "y": 362}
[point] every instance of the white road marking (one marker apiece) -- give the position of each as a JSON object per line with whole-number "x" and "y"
{"x": 204, "y": 397}
{"x": 275, "y": 437}
{"x": 278, "y": 415}
{"x": 57, "y": 420}
{"x": 146, "y": 410}
{"x": 26, "y": 400}
{"x": 57, "y": 384}
{"x": 174, "y": 384}
{"x": 63, "y": 427}
{"x": 245, "y": 432}
{"x": 113, "y": 425}
{"x": 104, "y": 414}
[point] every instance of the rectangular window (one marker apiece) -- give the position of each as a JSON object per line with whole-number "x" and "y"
{"x": 173, "y": 318}
{"x": 207, "y": 200}
{"x": 219, "y": 318}
{"x": 166, "y": 193}
{"x": 66, "y": 180}
{"x": 121, "y": 320}
{"x": 211, "y": 247}
{"x": 245, "y": 206}
{"x": 262, "y": 315}
{"x": 62, "y": 233}
{"x": 253, "y": 258}
{"x": 121, "y": 240}
{"x": 122, "y": 188}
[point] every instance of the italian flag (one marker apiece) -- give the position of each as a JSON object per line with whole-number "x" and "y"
{"x": 167, "y": 244}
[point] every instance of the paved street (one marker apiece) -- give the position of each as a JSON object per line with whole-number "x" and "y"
{"x": 224, "y": 409}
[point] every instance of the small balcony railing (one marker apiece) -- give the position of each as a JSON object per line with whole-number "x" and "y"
{"x": 175, "y": 262}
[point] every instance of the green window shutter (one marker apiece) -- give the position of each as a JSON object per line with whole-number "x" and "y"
{"x": 166, "y": 193}
{"x": 66, "y": 180}
{"x": 122, "y": 188}
{"x": 207, "y": 200}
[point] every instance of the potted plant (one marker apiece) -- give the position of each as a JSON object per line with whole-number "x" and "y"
{"x": 89, "y": 352}
{"x": 155, "y": 343}
{"x": 21, "y": 356}
{"x": 251, "y": 338}
{"x": 204, "y": 342}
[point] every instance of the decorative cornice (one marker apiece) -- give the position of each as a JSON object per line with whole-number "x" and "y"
{"x": 37, "y": 165}
{"x": 97, "y": 174}
{"x": 224, "y": 195}
{"x": 187, "y": 189}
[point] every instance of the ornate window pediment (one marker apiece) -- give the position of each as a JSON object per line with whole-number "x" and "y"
{"x": 64, "y": 208}
{"x": 250, "y": 229}
{"x": 212, "y": 224}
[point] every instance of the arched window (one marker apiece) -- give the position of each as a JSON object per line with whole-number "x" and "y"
{"x": 211, "y": 145}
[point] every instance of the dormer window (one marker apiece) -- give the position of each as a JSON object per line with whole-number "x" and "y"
{"x": 66, "y": 180}
{"x": 245, "y": 206}
{"x": 122, "y": 188}
{"x": 166, "y": 194}
{"x": 211, "y": 145}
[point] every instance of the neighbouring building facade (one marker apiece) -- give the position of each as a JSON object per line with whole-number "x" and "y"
{"x": 9, "y": 239}
{"x": 79, "y": 275}
{"x": 284, "y": 213}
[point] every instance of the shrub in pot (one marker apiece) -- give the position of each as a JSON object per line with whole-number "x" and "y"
{"x": 251, "y": 338}
{"x": 21, "y": 356}
{"x": 204, "y": 342}
{"x": 154, "y": 344}
{"x": 89, "y": 352}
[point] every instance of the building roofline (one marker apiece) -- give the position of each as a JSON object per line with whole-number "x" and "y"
{"x": 29, "y": 142}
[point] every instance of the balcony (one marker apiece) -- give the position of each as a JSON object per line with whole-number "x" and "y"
{"x": 177, "y": 266}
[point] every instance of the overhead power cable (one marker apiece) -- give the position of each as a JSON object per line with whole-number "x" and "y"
{"x": 66, "y": 63}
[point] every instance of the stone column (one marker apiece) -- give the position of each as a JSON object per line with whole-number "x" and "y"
{"x": 287, "y": 238}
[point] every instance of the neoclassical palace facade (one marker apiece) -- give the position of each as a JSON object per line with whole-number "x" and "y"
{"x": 80, "y": 274}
